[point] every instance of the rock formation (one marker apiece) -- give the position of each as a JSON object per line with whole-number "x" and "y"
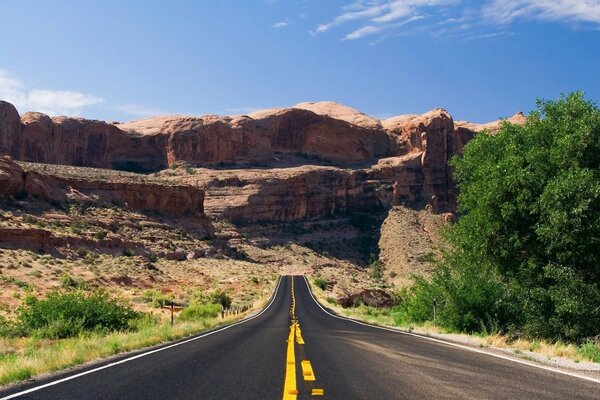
{"x": 372, "y": 163}
{"x": 145, "y": 196}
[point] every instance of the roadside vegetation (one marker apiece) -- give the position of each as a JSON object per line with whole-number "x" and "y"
{"x": 70, "y": 327}
{"x": 588, "y": 350}
{"x": 522, "y": 264}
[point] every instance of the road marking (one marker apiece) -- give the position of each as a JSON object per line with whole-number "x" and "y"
{"x": 317, "y": 392}
{"x": 290, "y": 389}
{"x": 460, "y": 346}
{"x": 91, "y": 371}
{"x": 307, "y": 372}
{"x": 299, "y": 338}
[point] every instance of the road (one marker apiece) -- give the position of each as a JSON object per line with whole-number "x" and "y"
{"x": 266, "y": 358}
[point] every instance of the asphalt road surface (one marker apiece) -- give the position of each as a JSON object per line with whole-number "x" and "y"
{"x": 295, "y": 350}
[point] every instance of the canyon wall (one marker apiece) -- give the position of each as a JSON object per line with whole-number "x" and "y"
{"x": 164, "y": 198}
{"x": 359, "y": 163}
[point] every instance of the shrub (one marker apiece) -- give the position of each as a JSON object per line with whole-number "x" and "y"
{"x": 320, "y": 283}
{"x": 590, "y": 350}
{"x": 62, "y": 315}
{"x": 67, "y": 282}
{"x": 153, "y": 257}
{"x": 82, "y": 252}
{"x": 200, "y": 311}
{"x": 128, "y": 252}
{"x": 376, "y": 268}
{"x": 156, "y": 298}
{"x": 220, "y": 297}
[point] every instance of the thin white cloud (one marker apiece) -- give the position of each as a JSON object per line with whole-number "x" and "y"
{"x": 352, "y": 14}
{"x": 506, "y": 11}
{"x": 372, "y": 29}
{"x": 278, "y": 25}
{"x": 51, "y": 102}
{"x": 379, "y": 15}
{"x": 466, "y": 19}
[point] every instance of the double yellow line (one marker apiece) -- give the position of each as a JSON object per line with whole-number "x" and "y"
{"x": 290, "y": 387}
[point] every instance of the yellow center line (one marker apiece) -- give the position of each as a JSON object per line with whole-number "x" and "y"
{"x": 290, "y": 390}
{"x": 290, "y": 387}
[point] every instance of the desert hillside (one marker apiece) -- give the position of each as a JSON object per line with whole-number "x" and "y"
{"x": 176, "y": 203}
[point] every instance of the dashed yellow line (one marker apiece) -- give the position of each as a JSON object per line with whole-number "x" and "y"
{"x": 307, "y": 372}
{"x": 290, "y": 387}
{"x": 290, "y": 390}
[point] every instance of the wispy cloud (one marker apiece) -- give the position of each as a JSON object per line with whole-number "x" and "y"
{"x": 351, "y": 14}
{"x": 379, "y": 15}
{"x": 51, "y": 102}
{"x": 281, "y": 24}
{"x": 505, "y": 11}
{"x": 462, "y": 18}
{"x": 372, "y": 29}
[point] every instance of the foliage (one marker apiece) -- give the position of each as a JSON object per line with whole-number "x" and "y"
{"x": 128, "y": 252}
{"x": 62, "y": 315}
{"x": 321, "y": 283}
{"x": 376, "y": 268}
{"x": 220, "y": 297}
{"x": 590, "y": 350}
{"x": 198, "y": 311}
{"x": 156, "y": 298}
{"x": 67, "y": 282}
{"x": 524, "y": 257}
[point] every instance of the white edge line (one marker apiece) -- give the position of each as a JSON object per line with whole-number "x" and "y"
{"x": 460, "y": 346}
{"x": 91, "y": 371}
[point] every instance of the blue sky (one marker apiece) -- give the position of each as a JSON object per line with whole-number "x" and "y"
{"x": 118, "y": 60}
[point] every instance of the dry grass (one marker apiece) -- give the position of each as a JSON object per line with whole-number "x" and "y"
{"x": 22, "y": 358}
{"x": 383, "y": 317}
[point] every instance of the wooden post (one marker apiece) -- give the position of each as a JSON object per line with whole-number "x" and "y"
{"x": 172, "y": 313}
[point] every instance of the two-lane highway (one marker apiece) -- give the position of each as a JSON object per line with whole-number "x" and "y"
{"x": 294, "y": 349}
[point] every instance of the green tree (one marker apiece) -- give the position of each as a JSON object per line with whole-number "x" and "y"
{"x": 529, "y": 230}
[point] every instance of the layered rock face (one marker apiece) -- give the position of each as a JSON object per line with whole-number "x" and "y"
{"x": 376, "y": 163}
{"x": 292, "y": 194}
{"x": 145, "y": 196}
{"x": 11, "y": 177}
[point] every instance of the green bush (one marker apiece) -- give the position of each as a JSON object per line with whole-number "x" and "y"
{"x": 62, "y": 315}
{"x": 376, "y": 268}
{"x": 524, "y": 253}
{"x": 590, "y": 350}
{"x": 196, "y": 312}
{"x": 128, "y": 252}
{"x": 320, "y": 283}
{"x": 156, "y": 298}
{"x": 220, "y": 297}
{"x": 67, "y": 282}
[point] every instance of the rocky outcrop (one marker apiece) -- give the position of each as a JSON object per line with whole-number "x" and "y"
{"x": 491, "y": 127}
{"x": 145, "y": 196}
{"x": 395, "y": 161}
{"x": 43, "y": 240}
{"x": 81, "y": 142}
{"x": 10, "y": 128}
{"x": 369, "y": 297}
{"x": 11, "y": 177}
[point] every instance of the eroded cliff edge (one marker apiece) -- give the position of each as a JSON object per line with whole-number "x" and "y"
{"x": 309, "y": 161}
